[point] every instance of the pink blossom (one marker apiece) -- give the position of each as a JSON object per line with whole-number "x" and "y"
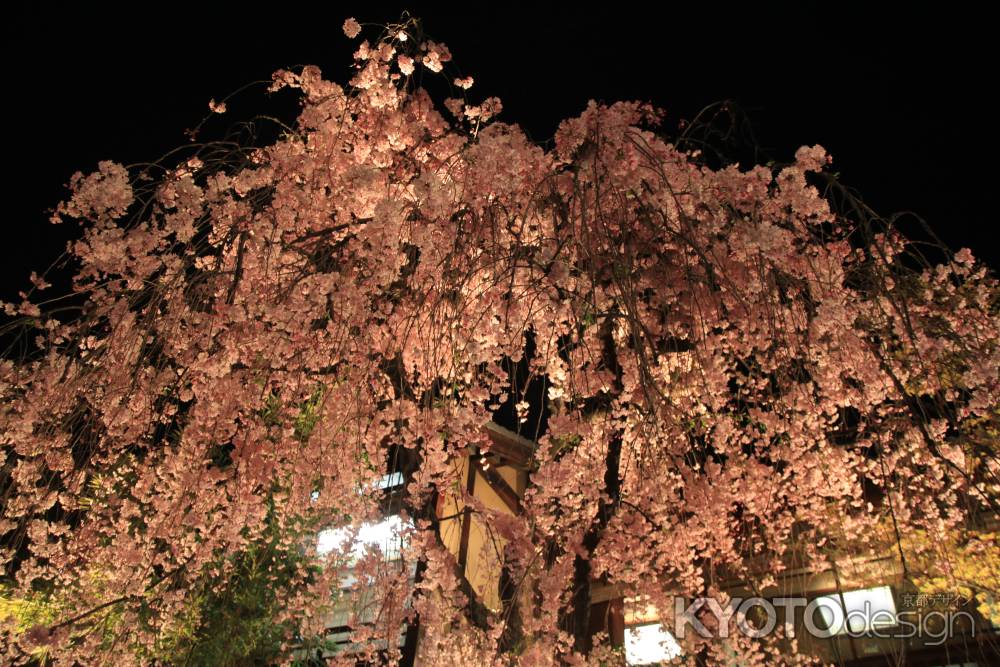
{"x": 351, "y": 28}
{"x": 726, "y": 368}
{"x": 405, "y": 64}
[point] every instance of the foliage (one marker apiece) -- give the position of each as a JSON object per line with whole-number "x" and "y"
{"x": 728, "y": 365}
{"x": 965, "y": 564}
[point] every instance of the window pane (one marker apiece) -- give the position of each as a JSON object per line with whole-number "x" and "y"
{"x": 384, "y": 534}
{"x": 390, "y": 481}
{"x": 649, "y": 644}
{"x": 862, "y": 610}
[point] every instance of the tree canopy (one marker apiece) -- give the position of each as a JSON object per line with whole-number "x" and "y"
{"x": 740, "y": 368}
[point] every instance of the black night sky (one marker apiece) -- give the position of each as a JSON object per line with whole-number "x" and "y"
{"x": 900, "y": 100}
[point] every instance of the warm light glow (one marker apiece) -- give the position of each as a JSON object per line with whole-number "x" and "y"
{"x": 864, "y": 610}
{"x": 649, "y": 644}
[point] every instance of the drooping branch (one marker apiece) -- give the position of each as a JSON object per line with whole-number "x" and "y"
{"x": 577, "y": 619}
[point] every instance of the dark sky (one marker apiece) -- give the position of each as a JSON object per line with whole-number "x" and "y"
{"x": 900, "y": 100}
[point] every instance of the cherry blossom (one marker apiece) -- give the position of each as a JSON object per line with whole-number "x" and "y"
{"x": 738, "y": 378}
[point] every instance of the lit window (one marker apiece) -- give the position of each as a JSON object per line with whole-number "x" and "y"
{"x": 361, "y": 608}
{"x": 649, "y": 644}
{"x": 863, "y": 610}
{"x": 356, "y": 606}
{"x": 390, "y": 481}
{"x": 386, "y": 534}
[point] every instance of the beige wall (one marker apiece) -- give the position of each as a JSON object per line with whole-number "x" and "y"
{"x": 485, "y": 548}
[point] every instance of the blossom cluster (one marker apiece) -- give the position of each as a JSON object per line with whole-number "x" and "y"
{"x": 262, "y": 335}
